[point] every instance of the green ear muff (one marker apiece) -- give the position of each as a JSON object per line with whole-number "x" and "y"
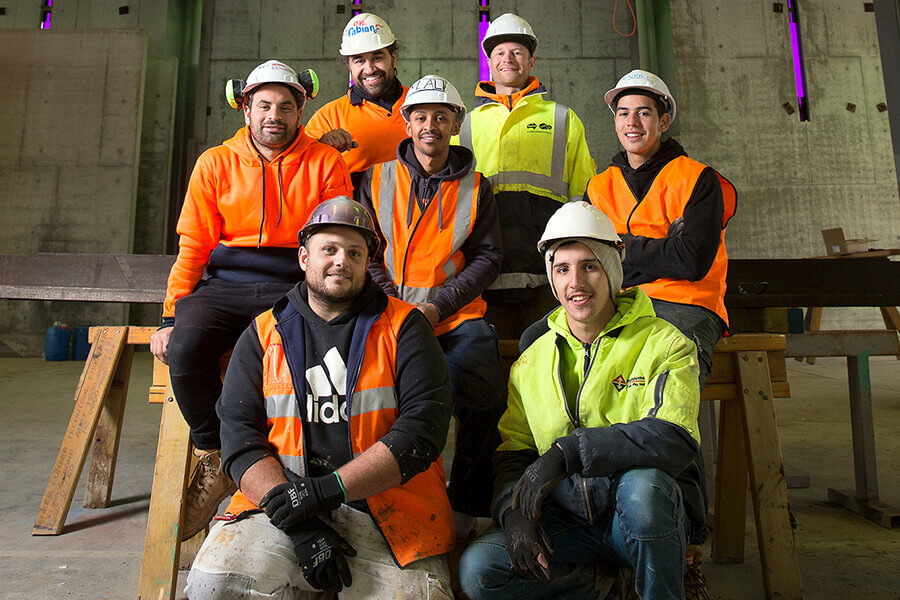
{"x": 234, "y": 92}
{"x": 310, "y": 82}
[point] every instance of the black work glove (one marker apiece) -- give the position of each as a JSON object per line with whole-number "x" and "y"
{"x": 288, "y": 504}
{"x": 321, "y": 553}
{"x": 526, "y": 541}
{"x": 538, "y": 481}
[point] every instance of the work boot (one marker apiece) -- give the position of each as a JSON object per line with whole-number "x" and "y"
{"x": 208, "y": 487}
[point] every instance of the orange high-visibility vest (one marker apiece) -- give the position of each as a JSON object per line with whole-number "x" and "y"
{"x": 651, "y": 217}
{"x": 415, "y": 517}
{"x": 426, "y": 254}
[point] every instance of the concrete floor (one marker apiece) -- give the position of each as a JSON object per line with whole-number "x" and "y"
{"x": 98, "y": 556}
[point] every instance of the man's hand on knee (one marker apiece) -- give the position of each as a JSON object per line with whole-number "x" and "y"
{"x": 159, "y": 344}
{"x": 321, "y": 553}
{"x": 528, "y": 545}
{"x": 538, "y": 481}
{"x": 302, "y": 498}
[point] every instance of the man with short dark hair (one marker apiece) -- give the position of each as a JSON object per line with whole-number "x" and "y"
{"x": 245, "y": 202}
{"x": 365, "y": 124}
{"x": 441, "y": 249}
{"x": 671, "y": 212}
{"x": 334, "y": 410}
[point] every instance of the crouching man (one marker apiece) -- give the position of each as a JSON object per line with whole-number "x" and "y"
{"x": 599, "y": 462}
{"x": 334, "y": 411}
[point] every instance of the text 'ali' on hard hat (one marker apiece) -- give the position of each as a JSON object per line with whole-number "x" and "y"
{"x": 272, "y": 71}
{"x": 509, "y": 27}
{"x": 433, "y": 89}
{"x": 365, "y": 32}
{"x": 642, "y": 80}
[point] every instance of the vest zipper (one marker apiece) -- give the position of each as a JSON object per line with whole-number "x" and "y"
{"x": 588, "y": 363}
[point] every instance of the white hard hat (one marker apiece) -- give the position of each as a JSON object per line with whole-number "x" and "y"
{"x": 510, "y": 26}
{"x": 272, "y": 71}
{"x": 578, "y": 220}
{"x": 585, "y": 223}
{"x": 642, "y": 80}
{"x": 365, "y": 33}
{"x": 432, "y": 89}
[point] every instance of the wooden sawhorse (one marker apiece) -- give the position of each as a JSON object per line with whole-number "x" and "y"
{"x": 95, "y": 426}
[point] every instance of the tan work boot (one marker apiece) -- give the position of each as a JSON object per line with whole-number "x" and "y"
{"x": 208, "y": 487}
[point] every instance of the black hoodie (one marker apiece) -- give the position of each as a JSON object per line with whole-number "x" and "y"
{"x": 690, "y": 247}
{"x": 482, "y": 248}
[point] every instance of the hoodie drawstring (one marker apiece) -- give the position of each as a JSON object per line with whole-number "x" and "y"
{"x": 409, "y": 203}
{"x": 280, "y": 194}
{"x": 440, "y": 208}
{"x": 262, "y": 221}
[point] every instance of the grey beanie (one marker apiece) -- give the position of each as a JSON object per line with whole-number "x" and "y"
{"x": 607, "y": 255}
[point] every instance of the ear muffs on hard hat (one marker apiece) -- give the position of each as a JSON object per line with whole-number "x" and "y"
{"x": 235, "y": 89}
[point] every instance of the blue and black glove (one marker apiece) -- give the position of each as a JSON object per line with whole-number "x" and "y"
{"x": 302, "y": 498}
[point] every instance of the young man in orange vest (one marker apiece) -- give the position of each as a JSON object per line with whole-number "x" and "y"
{"x": 365, "y": 124}
{"x": 244, "y": 204}
{"x": 671, "y": 212}
{"x": 334, "y": 411}
{"x": 441, "y": 249}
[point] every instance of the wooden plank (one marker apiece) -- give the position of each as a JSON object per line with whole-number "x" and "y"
{"x": 844, "y": 342}
{"x": 162, "y": 546}
{"x": 768, "y": 488}
{"x": 751, "y": 341}
{"x": 728, "y": 391}
{"x": 723, "y": 370}
{"x": 96, "y": 378}
{"x": 136, "y": 335}
{"x": 730, "y": 512}
{"x": 105, "y": 447}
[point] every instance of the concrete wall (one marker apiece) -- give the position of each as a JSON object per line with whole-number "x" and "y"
{"x": 579, "y": 56}
{"x": 70, "y": 123}
{"x": 734, "y": 72}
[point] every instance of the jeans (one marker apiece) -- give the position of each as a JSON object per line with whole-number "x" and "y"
{"x": 208, "y": 322}
{"x": 702, "y": 326}
{"x": 479, "y": 399}
{"x": 644, "y": 532}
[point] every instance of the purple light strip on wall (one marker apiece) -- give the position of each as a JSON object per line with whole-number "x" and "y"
{"x": 484, "y": 69}
{"x": 797, "y": 53}
{"x": 356, "y": 3}
{"x": 45, "y": 24}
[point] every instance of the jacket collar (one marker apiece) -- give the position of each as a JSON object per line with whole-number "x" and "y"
{"x": 631, "y": 305}
{"x": 486, "y": 93}
{"x": 668, "y": 151}
{"x": 387, "y": 101}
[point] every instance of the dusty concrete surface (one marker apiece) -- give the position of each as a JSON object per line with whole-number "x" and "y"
{"x": 98, "y": 555}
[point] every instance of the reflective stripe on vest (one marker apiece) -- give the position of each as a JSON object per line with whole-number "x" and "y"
{"x": 652, "y": 216}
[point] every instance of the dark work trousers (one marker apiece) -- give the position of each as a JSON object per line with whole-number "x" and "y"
{"x": 702, "y": 326}
{"x": 479, "y": 400}
{"x": 208, "y": 322}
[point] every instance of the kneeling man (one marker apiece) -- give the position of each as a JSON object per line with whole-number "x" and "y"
{"x": 600, "y": 459}
{"x": 334, "y": 411}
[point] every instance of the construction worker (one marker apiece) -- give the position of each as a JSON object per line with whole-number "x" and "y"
{"x": 671, "y": 212}
{"x": 437, "y": 218}
{"x": 606, "y": 483}
{"x": 534, "y": 152}
{"x": 245, "y": 202}
{"x": 334, "y": 410}
{"x": 365, "y": 124}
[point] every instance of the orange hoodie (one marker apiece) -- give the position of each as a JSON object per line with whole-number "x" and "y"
{"x": 238, "y": 199}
